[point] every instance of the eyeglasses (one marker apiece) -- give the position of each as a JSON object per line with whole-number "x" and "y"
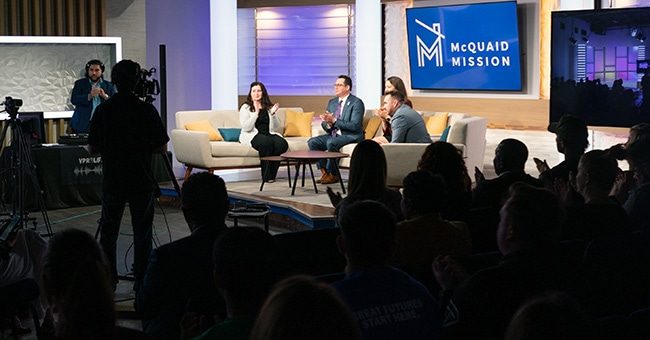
{"x": 338, "y": 85}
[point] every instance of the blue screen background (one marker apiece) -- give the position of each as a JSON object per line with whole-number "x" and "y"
{"x": 487, "y": 22}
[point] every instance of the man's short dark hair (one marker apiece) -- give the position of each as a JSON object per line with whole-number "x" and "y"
{"x": 368, "y": 228}
{"x": 396, "y": 95}
{"x": 246, "y": 259}
{"x": 205, "y": 198}
{"x": 125, "y": 75}
{"x": 602, "y": 168}
{"x": 346, "y": 80}
{"x": 425, "y": 191}
{"x": 535, "y": 215}
{"x": 511, "y": 154}
{"x": 638, "y": 154}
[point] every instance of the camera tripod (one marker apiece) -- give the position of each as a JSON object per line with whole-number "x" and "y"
{"x": 21, "y": 167}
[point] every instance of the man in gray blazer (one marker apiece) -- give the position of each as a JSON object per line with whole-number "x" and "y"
{"x": 343, "y": 122}
{"x": 406, "y": 124}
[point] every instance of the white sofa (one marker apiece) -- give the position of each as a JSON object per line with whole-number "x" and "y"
{"x": 466, "y": 133}
{"x": 195, "y": 150}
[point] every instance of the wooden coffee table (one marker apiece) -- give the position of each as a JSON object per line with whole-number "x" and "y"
{"x": 307, "y": 158}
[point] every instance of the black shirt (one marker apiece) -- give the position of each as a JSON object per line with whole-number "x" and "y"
{"x": 126, "y": 131}
{"x": 262, "y": 122}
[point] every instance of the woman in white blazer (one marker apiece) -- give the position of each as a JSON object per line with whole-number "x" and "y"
{"x": 258, "y": 125}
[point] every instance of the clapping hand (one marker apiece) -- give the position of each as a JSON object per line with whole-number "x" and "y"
{"x": 275, "y": 108}
{"x": 541, "y": 165}
{"x": 335, "y": 198}
{"x": 448, "y": 272}
{"x": 327, "y": 117}
{"x": 478, "y": 175}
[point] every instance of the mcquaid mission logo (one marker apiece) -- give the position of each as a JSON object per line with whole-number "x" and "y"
{"x": 433, "y": 51}
{"x": 471, "y": 47}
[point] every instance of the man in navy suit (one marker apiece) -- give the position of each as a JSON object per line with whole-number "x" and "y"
{"x": 343, "y": 122}
{"x": 87, "y": 94}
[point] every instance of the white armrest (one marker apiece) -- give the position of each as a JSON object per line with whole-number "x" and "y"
{"x": 193, "y": 148}
{"x": 401, "y": 159}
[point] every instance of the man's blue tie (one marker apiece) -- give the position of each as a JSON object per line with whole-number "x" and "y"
{"x": 337, "y": 115}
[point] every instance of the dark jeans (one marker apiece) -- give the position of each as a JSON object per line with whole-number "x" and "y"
{"x": 141, "y": 208}
{"x": 269, "y": 145}
{"x": 332, "y": 144}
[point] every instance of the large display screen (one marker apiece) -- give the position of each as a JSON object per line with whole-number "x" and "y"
{"x": 465, "y": 47}
{"x": 599, "y": 66}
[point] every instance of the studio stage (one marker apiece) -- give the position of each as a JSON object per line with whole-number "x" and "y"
{"x": 311, "y": 210}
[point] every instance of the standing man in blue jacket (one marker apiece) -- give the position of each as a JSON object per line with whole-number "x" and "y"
{"x": 87, "y": 94}
{"x": 343, "y": 122}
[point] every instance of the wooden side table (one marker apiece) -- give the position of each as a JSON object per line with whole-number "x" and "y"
{"x": 306, "y": 158}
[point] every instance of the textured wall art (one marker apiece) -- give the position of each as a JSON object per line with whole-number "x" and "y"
{"x": 42, "y": 74}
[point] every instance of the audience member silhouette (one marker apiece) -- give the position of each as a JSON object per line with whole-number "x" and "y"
{"x": 442, "y": 158}
{"x": 625, "y": 181}
{"x": 245, "y": 270}
{"x": 553, "y": 315}
{"x": 600, "y": 216}
{"x": 77, "y": 283}
{"x": 509, "y": 162}
{"x": 386, "y": 302}
{"x": 424, "y": 234}
{"x": 571, "y": 140}
{"x": 21, "y": 257}
{"x": 180, "y": 272}
{"x": 300, "y": 308}
{"x": 636, "y": 205}
{"x": 528, "y": 237}
{"x": 367, "y": 180}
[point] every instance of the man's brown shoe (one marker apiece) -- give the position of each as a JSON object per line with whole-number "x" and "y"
{"x": 322, "y": 177}
{"x": 330, "y": 179}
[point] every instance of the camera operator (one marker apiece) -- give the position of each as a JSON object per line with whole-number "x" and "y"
{"x": 87, "y": 94}
{"x": 126, "y": 132}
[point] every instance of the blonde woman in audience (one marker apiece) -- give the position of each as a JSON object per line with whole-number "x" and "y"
{"x": 367, "y": 180}
{"x": 302, "y": 308}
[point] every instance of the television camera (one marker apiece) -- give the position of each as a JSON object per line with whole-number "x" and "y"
{"x": 11, "y": 106}
{"x": 20, "y": 166}
{"x": 147, "y": 88}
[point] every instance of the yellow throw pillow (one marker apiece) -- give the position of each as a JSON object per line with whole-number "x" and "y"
{"x": 436, "y": 124}
{"x": 371, "y": 128}
{"x": 204, "y": 125}
{"x": 298, "y": 124}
